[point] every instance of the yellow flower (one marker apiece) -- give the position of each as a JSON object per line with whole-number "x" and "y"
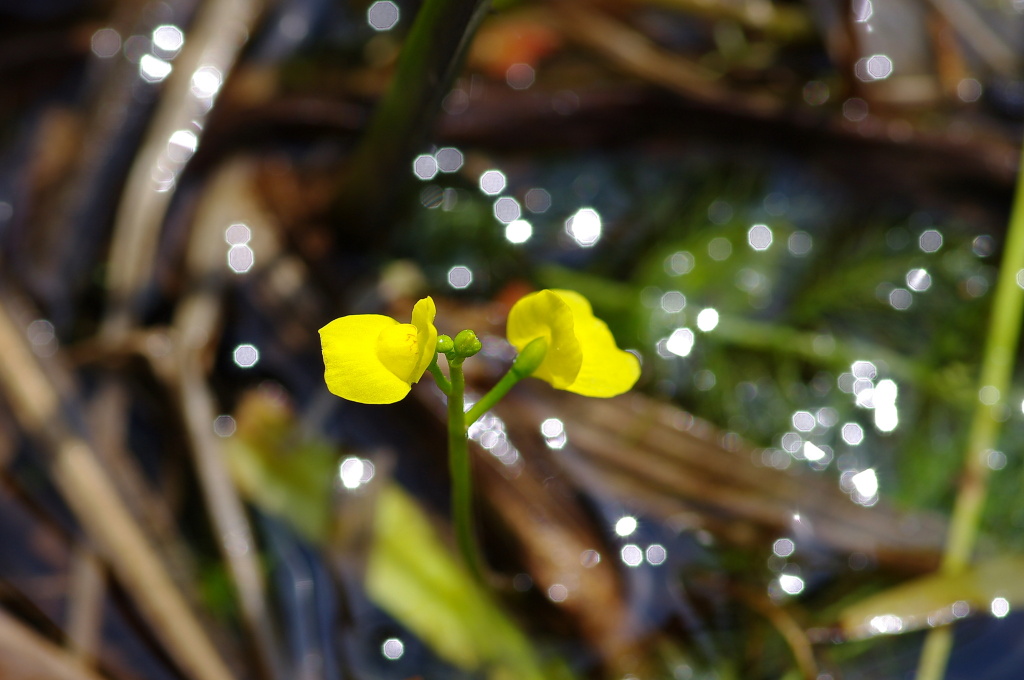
{"x": 581, "y": 353}
{"x": 373, "y": 359}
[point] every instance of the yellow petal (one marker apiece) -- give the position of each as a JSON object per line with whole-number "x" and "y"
{"x": 398, "y": 350}
{"x": 545, "y": 315}
{"x": 606, "y": 370}
{"x": 352, "y": 369}
{"x": 423, "y": 313}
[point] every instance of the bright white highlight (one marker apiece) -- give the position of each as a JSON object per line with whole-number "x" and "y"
{"x": 853, "y": 434}
{"x": 813, "y": 453}
{"x": 790, "y": 584}
{"x": 206, "y": 82}
{"x": 886, "y": 415}
{"x": 865, "y": 483}
{"x": 759, "y": 237}
{"x": 518, "y": 231}
{"x": 460, "y": 277}
{"x": 241, "y": 258}
{"x": 168, "y": 38}
{"x": 393, "y": 648}
{"x": 783, "y": 547}
{"x": 584, "y": 227}
{"x": 246, "y": 356}
{"x": 625, "y": 526}
{"x": 383, "y": 15}
{"x": 425, "y": 167}
{"x": 886, "y": 624}
{"x": 237, "y": 234}
{"x": 1000, "y": 607}
{"x": 153, "y": 69}
{"x": 707, "y": 320}
{"x": 680, "y": 342}
{"x": 632, "y": 556}
{"x": 354, "y": 472}
{"x": 492, "y": 182}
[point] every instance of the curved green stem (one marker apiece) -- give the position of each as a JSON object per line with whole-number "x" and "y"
{"x": 459, "y": 468}
{"x": 488, "y": 401}
{"x": 996, "y": 371}
{"x": 439, "y": 377}
{"x": 525, "y": 363}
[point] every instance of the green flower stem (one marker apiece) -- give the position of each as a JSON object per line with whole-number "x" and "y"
{"x": 459, "y": 467}
{"x": 488, "y": 401}
{"x": 439, "y": 377}
{"x": 525, "y": 363}
{"x": 996, "y": 372}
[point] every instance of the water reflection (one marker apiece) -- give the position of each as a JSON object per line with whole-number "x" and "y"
{"x": 507, "y": 210}
{"x": 791, "y": 584}
{"x": 865, "y": 487}
{"x": 783, "y": 547}
{"x": 246, "y": 356}
{"x": 168, "y": 40}
{"x": 800, "y": 243}
{"x": 449, "y": 159}
{"x": 930, "y": 240}
{"x": 673, "y": 301}
{"x": 681, "y": 263}
{"x": 631, "y": 555}
{"x": 460, "y": 277}
{"x": 759, "y": 237}
{"x": 584, "y": 227}
{"x": 392, "y": 649}
{"x": 558, "y": 592}
{"x": 852, "y": 433}
{"x": 492, "y": 182}
{"x": 489, "y": 432}
{"x": 518, "y": 231}
{"x": 680, "y": 343}
{"x": 424, "y": 167}
{"x": 520, "y": 76}
{"x": 625, "y": 525}
{"x": 105, "y": 43}
{"x": 153, "y": 69}
{"x": 354, "y": 472}
{"x": 382, "y": 15}
{"x": 206, "y": 82}
{"x": 42, "y": 335}
{"x": 707, "y": 319}
{"x": 656, "y": 554}
{"x": 224, "y": 426}
{"x": 538, "y": 200}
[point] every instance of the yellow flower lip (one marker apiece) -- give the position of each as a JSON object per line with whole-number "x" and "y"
{"x": 374, "y": 359}
{"x": 581, "y": 356}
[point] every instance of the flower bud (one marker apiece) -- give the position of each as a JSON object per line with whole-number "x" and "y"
{"x": 467, "y": 344}
{"x": 445, "y": 344}
{"x": 530, "y": 358}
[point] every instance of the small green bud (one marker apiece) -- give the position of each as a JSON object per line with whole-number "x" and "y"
{"x": 445, "y": 344}
{"x": 530, "y": 359}
{"x": 467, "y": 344}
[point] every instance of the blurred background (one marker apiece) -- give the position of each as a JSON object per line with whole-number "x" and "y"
{"x": 794, "y": 212}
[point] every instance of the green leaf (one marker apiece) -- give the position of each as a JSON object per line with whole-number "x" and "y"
{"x": 412, "y": 576}
{"x": 909, "y": 606}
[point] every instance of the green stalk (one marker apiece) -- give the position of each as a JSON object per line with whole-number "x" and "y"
{"x": 525, "y": 363}
{"x": 996, "y": 372}
{"x": 459, "y": 468}
{"x": 487, "y": 402}
{"x": 439, "y": 377}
